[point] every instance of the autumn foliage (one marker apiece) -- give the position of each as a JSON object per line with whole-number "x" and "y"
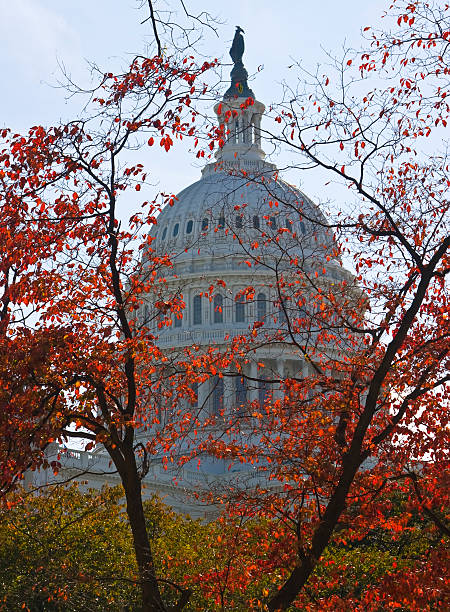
{"x": 356, "y": 448}
{"x": 72, "y": 355}
{"x": 370, "y": 420}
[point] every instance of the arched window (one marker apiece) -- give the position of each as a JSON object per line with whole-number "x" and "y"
{"x": 256, "y": 222}
{"x": 221, "y": 223}
{"x": 273, "y": 223}
{"x": 217, "y": 395}
{"x": 176, "y": 227}
{"x": 302, "y": 227}
{"x": 261, "y": 306}
{"x": 240, "y": 310}
{"x": 205, "y": 224}
{"x": 218, "y": 309}
{"x": 289, "y": 224}
{"x": 189, "y": 226}
{"x": 164, "y": 234}
{"x": 239, "y": 221}
{"x": 178, "y": 320}
{"x": 250, "y": 133}
{"x": 197, "y": 310}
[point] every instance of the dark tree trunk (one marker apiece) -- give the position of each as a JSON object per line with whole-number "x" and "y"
{"x": 151, "y": 596}
{"x": 301, "y": 573}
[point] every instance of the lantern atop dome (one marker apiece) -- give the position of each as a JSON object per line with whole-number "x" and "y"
{"x": 239, "y": 115}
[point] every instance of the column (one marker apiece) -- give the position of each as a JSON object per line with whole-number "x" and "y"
{"x": 304, "y": 369}
{"x": 279, "y": 374}
{"x": 203, "y": 393}
{"x": 257, "y": 122}
{"x": 228, "y": 393}
{"x": 252, "y": 384}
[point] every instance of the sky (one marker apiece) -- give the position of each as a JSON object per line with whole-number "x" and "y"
{"x": 39, "y": 39}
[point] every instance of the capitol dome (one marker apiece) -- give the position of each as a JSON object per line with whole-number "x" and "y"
{"x": 229, "y": 237}
{"x": 226, "y": 202}
{"x": 243, "y": 244}
{"x": 240, "y": 196}
{"x": 238, "y": 223}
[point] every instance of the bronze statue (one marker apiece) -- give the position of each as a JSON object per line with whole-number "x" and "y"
{"x": 237, "y": 48}
{"x": 239, "y": 87}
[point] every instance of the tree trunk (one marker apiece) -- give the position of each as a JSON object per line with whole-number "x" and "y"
{"x": 151, "y": 597}
{"x": 322, "y": 535}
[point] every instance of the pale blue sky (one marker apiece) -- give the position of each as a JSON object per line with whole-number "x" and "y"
{"x": 37, "y": 34}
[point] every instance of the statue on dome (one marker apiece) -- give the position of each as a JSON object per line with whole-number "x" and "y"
{"x": 239, "y": 86}
{"x": 237, "y": 48}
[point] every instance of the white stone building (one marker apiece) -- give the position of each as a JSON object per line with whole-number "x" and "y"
{"x": 210, "y": 233}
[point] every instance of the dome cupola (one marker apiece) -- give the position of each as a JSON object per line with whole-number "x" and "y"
{"x": 239, "y": 113}
{"x": 240, "y": 198}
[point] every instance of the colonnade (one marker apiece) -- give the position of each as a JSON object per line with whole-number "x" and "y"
{"x": 231, "y": 391}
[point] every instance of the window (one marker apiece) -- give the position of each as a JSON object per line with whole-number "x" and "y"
{"x": 197, "y": 308}
{"x": 273, "y": 223}
{"x": 205, "y": 224}
{"x": 302, "y": 227}
{"x": 239, "y": 222}
{"x": 175, "y": 229}
{"x": 263, "y": 391}
{"x": 218, "y": 309}
{"x": 250, "y": 134}
{"x": 178, "y": 320}
{"x": 189, "y": 226}
{"x": 194, "y": 388}
{"x": 146, "y": 314}
{"x": 240, "y": 310}
{"x": 282, "y": 321}
{"x": 221, "y": 223}
{"x": 217, "y": 395}
{"x": 256, "y": 222}
{"x": 241, "y": 391}
{"x": 261, "y": 306}
{"x": 289, "y": 224}
{"x": 164, "y": 234}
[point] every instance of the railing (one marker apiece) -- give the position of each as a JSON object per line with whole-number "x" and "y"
{"x": 200, "y": 337}
{"x": 87, "y": 462}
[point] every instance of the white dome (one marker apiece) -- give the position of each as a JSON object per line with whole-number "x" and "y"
{"x": 242, "y": 200}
